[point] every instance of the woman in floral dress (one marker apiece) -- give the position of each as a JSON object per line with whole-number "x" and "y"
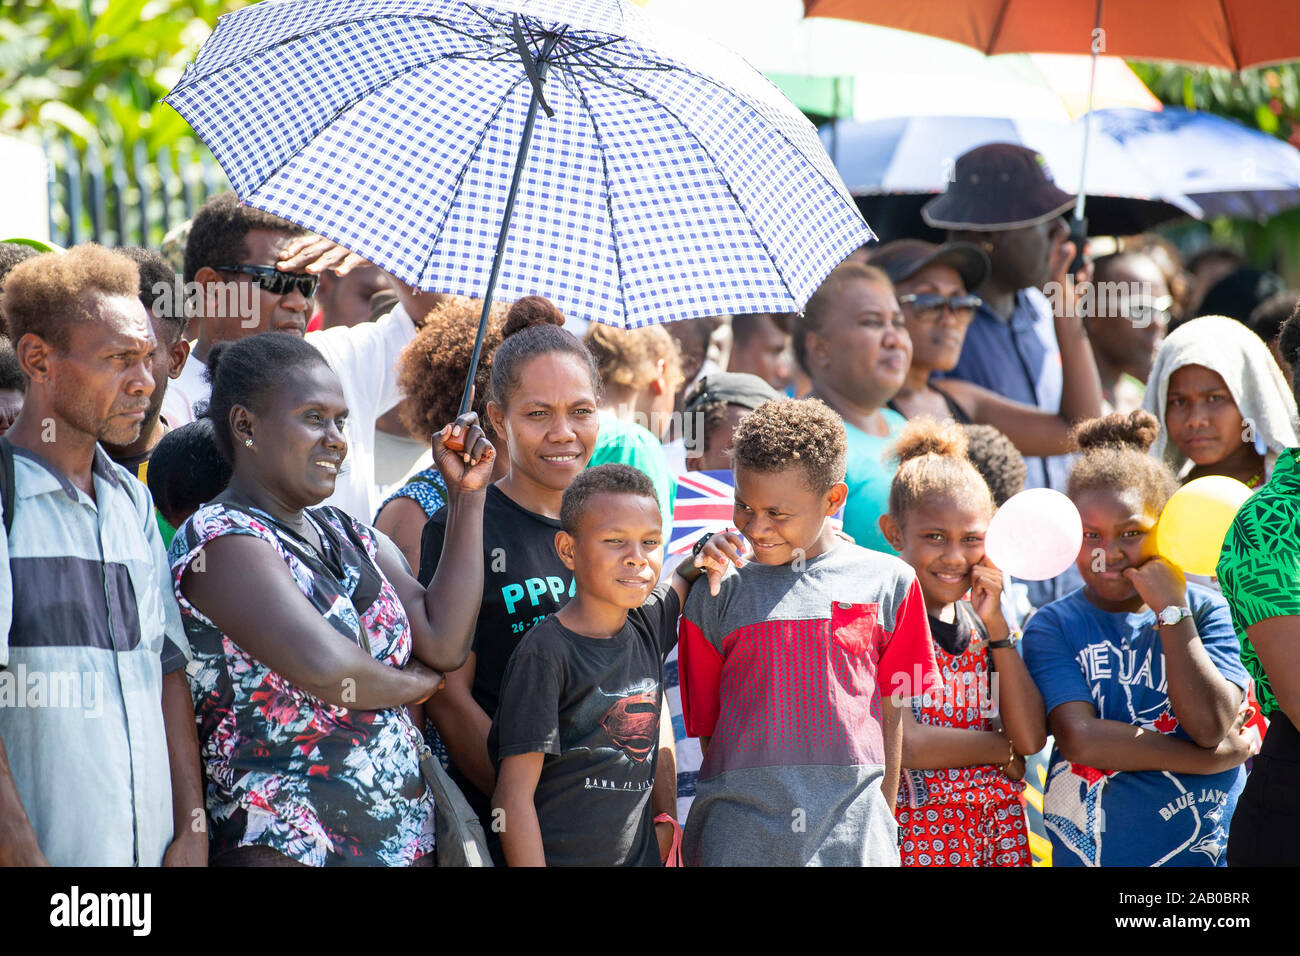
{"x": 309, "y": 636}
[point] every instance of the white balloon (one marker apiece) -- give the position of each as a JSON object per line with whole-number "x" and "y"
{"x": 1035, "y": 535}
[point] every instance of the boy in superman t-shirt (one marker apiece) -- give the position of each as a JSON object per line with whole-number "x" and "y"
{"x": 786, "y": 667}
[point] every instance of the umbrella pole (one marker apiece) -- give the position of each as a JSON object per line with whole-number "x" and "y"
{"x": 540, "y": 66}
{"x": 1079, "y": 228}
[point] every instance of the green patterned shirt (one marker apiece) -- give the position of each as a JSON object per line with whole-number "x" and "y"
{"x": 1259, "y": 567}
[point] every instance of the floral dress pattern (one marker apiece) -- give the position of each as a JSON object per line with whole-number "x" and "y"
{"x": 962, "y": 816}
{"x": 324, "y": 785}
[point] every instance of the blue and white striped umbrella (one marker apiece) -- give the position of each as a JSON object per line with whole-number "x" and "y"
{"x": 672, "y": 180}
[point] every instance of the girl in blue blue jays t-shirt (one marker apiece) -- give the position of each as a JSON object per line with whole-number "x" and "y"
{"x": 1141, "y": 678}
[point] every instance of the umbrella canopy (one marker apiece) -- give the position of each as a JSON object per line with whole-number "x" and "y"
{"x": 669, "y": 180}
{"x": 1226, "y": 168}
{"x": 918, "y": 155}
{"x": 838, "y": 68}
{"x": 1235, "y": 34}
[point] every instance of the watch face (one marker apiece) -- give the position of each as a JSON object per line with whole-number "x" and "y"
{"x": 1171, "y": 615}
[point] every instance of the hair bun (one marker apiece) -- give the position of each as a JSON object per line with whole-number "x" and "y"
{"x": 1136, "y": 430}
{"x": 926, "y": 436}
{"x": 529, "y": 311}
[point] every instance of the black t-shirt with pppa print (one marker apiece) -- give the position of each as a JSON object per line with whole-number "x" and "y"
{"x": 591, "y": 705}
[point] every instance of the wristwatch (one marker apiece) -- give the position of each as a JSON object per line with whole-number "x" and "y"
{"x": 699, "y": 545}
{"x": 1172, "y": 615}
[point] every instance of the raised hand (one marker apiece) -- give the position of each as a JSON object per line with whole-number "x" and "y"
{"x": 1158, "y": 583}
{"x": 722, "y": 549}
{"x": 986, "y": 598}
{"x": 468, "y": 470}
{"x": 314, "y": 254}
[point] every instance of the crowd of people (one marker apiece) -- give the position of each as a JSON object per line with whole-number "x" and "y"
{"x": 261, "y": 582}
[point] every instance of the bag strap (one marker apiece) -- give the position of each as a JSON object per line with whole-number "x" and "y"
{"x": 7, "y": 490}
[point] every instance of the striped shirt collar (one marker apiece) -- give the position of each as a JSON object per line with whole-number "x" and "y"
{"x": 53, "y": 478}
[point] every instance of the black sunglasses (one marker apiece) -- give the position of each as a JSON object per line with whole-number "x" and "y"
{"x": 929, "y": 305}
{"x": 276, "y": 282}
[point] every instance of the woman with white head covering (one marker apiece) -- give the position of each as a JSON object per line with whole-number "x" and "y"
{"x": 1222, "y": 402}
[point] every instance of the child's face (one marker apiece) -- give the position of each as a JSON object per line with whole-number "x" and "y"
{"x": 718, "y": 455}
{"x": 550, "y": 420}
{"x": 617, "y": 552}
{"x": 1116, "y": 526}
{"x": 1202, "y": 419}
{"x": 781, "y": 516}
{"x": 942, "y": 538}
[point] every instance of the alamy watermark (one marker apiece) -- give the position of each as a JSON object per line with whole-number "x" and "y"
{"x": 21, "y": 688}
{"x": 230, "y": 300}
{"x": 1136, "y": 302}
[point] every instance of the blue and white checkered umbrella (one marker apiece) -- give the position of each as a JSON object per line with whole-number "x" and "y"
{"x": 667, "y": 179}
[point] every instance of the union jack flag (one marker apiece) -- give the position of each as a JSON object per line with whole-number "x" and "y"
{"x": 705, "y": 503}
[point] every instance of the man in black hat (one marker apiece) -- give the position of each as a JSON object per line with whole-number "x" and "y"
{"x": 1003, "y": 200}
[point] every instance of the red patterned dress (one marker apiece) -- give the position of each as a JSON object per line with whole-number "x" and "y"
{"x": 963, "y": 816}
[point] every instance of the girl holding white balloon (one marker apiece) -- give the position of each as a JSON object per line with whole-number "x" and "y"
{"x": 1140, "y": 676}
{"x": 960, "y": 800}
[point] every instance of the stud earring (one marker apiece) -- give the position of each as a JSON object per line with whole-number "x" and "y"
{"x": 248, "y": 443}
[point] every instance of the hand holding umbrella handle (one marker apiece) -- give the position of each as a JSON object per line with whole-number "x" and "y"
{"x": 453, "y": 441}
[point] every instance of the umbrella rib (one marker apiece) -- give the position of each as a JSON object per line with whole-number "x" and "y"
{"x": 1227, "y": 28}
{"x": 586, "y": 49}
{"x": 498, "y": 30}
{"x": 609, "y": 205}
{"x": 997, "y": 28}
{"x": 736, "y": 199}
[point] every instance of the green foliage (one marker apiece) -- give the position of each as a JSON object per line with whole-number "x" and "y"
{"x": 98, "y": 69}
{"x": 1267, "y": 99}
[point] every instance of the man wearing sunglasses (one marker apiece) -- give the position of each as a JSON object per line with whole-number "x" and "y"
{"x": 254, "y": 280}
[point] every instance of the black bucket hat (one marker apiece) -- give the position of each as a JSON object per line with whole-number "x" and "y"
{"x": 904, "y": 258}
{"x": 995, "y": 187}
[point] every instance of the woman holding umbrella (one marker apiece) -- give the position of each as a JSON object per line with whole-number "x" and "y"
{"x": 310, "y": 637}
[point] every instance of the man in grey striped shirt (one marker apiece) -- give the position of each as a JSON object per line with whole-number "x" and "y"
{"x": 98, "y": 750}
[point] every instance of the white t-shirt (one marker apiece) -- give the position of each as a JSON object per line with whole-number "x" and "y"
{"x": 365, "y": 359}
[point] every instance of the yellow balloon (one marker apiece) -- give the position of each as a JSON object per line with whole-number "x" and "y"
{"x": 1195, "y": 521}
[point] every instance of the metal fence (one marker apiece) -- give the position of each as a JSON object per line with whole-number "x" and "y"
{"x": 126, "y": 198}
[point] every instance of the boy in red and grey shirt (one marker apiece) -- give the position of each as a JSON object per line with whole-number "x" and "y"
{"x": 786, "y": 666}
